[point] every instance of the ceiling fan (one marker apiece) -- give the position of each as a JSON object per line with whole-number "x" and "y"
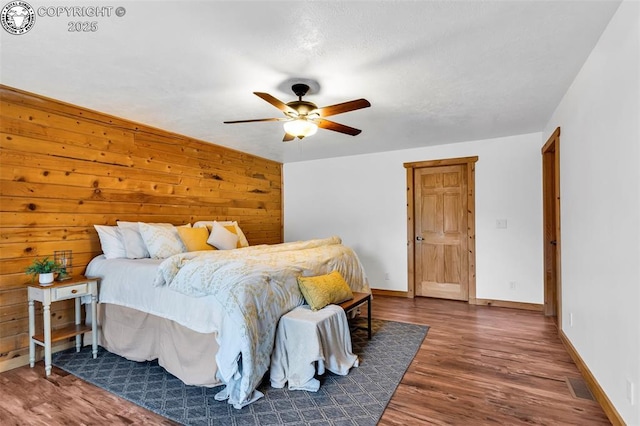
{"x": 303, "y": 118}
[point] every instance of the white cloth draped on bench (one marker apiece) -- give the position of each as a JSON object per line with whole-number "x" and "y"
{"x": 305, "y": 337}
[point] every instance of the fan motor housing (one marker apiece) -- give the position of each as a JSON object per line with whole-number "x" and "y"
{"x": 303, "y": 107}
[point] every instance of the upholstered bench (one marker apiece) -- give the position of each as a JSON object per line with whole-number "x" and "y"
{"x": 304, "y": 338}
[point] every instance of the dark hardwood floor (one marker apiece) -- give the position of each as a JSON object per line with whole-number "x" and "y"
{"x": 478, "y": 365}
{"x": 484, "y": 365}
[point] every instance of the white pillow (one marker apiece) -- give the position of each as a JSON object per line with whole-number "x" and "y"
{"x": 221, "y": 238}
{"x": 111, "y": 241}
{"x": 162, "y": 241}
{"x": 209, "y": 224}
{"x": 134, "y": 245}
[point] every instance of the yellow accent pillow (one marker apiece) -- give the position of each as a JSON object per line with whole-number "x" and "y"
{"x": 195, "y": 239}
{"x": 324, "y": 290}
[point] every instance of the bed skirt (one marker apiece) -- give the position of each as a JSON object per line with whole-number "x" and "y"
{"x": 139, "y": 336}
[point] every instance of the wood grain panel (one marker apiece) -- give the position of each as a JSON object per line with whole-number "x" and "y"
{"x": 66, "y": 168}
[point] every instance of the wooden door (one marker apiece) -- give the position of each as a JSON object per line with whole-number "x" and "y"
{"x": 551, "y": 225}
{"x": 441, "y": 232}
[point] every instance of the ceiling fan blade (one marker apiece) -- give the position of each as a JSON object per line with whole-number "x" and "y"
{"x": 257, "y": 119}
{"x": 343, "y": 107}
{"x": 336, "y": 127}
{"x": 276, "y": 103}
{"x": 288, "y": 137}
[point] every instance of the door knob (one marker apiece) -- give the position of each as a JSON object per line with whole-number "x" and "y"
{"x": 419, "y": 238}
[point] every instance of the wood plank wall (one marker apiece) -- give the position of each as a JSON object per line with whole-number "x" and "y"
{"x": 64, "y": 168}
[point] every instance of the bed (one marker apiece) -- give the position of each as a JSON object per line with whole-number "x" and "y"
{"x": 210, "y": 317}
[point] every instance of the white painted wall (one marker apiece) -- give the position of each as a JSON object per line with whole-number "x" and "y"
{"x": 600, "y": 210}
{"x": 363, "y": 200}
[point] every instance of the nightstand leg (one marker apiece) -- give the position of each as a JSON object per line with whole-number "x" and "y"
{"x": 32, "y": 331}
{"x": 46, "y": 313}
{"x": 79, "y": 336}
{"x": 94, "y": 323}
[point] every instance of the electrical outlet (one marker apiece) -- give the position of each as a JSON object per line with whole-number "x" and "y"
{"x": 501, "y": 223}
{"x": 512, "y": 285}
{"x": 386, "y": 276}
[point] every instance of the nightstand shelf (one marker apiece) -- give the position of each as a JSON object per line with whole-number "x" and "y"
{"x": 75, "y": 288}
{"x": 62, "y": 333}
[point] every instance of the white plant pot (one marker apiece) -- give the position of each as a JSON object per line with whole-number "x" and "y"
{"x": 45, "y": 279}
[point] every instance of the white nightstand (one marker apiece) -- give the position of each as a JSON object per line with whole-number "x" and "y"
{"x": 74, "y": 288}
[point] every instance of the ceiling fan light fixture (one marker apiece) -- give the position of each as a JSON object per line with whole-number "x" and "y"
{"x": 300, "y": 128}
{"x": 303, "y": 118}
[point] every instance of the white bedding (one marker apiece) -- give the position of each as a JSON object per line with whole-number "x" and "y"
{"x": 129, "y": 283}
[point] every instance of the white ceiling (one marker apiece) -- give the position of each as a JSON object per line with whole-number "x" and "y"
{"x": 435, "y": 72}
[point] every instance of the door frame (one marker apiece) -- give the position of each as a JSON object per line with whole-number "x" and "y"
{"x": 551, "y": 226}
{"x": 470, "y": 166}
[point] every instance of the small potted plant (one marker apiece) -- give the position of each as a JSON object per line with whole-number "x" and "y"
{"x": 45, "y": 269}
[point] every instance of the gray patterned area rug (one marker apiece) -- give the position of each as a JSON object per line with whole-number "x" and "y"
{"x": 356, "y": 399}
